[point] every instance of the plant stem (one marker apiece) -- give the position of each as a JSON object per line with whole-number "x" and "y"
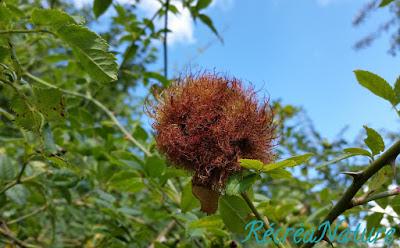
{"x": 346, "y": 201}
{"x": 165, "y": 44}
{"x": 23, "y": 31}
{"x": 34, "y": 212}
{"x": 6, "y": 114}
{"x": 161, "y": 236}
{"x": 364, "y": 200}
{"x": 14, "y": 182}
{"x": 7, "y": 233}
{"x": 258, "y": 215}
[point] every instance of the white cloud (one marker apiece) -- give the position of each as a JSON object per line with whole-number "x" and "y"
{"x": 181, "y": 24}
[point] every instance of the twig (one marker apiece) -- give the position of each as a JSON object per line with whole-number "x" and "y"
{"x": 18, "y": 180}
{"x": 161, "y": 236}
{"x": 14, "y": 182}
{"x": 6, "y": 114}
{"x": 34, "y": 212}
{"x": 346, "y": 201}
{"x": 98, "y": 104}
{"x": 258, "y": 215}
{"x": 363, "y": 200}
{"x": 11, "y": 236}
{"x": 165, "y": 44}
{"x": 23, "y": 31}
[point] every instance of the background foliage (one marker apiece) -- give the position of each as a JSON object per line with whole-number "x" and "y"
{"x": 78, "y": 164}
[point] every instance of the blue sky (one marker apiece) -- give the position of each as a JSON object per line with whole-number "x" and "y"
{"x": 300, "y": 52}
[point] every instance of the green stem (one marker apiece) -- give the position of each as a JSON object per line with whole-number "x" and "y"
{"x": 165, "y": 44}
{"x": 6, "y": 114}
{"x": 34, "y": 212}
{"x": 25, "y": 31}
{"x": 364, "y": 200}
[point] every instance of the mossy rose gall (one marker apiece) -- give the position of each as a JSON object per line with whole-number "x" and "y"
{"x": 206, "y": 123}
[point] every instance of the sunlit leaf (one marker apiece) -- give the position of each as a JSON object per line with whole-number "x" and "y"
{"x": 374, "y": 141}
{"x": 100, "y": 6}
{"x": 376, "y": 85}
{"x": 91, "y": 51}
{"x": 385, "y": 2}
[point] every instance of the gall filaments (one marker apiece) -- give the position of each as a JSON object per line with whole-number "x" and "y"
{"x": 206, "y": 123}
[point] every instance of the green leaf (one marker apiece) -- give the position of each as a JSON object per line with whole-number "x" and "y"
{"x": 234, "y": 213}
{"x": 238, "y": 184}
{"x": 357, "y": 151}
{"x": 316, "y": 215}
{"x": 349, "y": 152}
{"x": 397, "y": 89}
{"x": 202, "y": 4}
{"x": 385, "y": 2}
{"x": 91, "y": 51}
{"x": 280, "y": 174}
{"x": 6, "y": 15}
{"x": 213, "y": 221}
{"x": 100, "y": 6}
{"x": 376, "y": 85}
{"x": 7, "y": 169}
{"x": 50, "y": 103}
{"x": 4, "y": 53}
{"x": 260, "y": 166}
{"x": 336, "y": 159}
{"x": 209, "y": 23}
{"x": 126, "y": 181}
{"x": 165, "y": 82}
{"x": 374, "y": 220}
{"x": 173, "y": 9}
{"x": 374, "y": 141}
{"x": 18, "y": 194}
{"x": 383, "y": 177}
{"x": 252, "y": 164}
{"x": 154, "y": 166}
{"x": 25, "y": 116}
{"x": 51, "y": 17}
{"x": 188, "y": 201}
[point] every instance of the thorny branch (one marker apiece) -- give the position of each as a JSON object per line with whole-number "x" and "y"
{"x": 347, "y": 201}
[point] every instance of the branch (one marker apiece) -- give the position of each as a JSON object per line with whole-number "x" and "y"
{"x": 98, "y": 104}
{"x": 165, "y": 44}
{"x": 25, "y": 31}
{"x": 363, "y": 200}
{"x": 346, "y": 202}
{"x": 6, "y": 114}
{"x": 161, "y": 236}
{"x": 16, "y": 181}
{"x": 7, "y": 234}
{"x": 34, "y": 212}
